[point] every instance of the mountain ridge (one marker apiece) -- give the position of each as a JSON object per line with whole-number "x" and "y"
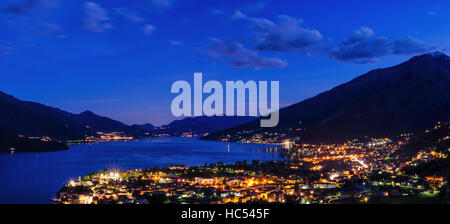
{"x": 34, "y": 119}
{"x": 201, "y": 125}
{"x": 377, "y": 103}
{"x": 99, "y": 123}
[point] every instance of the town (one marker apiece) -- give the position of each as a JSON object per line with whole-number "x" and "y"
{"x": 370, "y": 170}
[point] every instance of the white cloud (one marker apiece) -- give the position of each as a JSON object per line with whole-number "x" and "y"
{"x": 238, "y": 15}
{"x": 236, "y": 55}
{"x": 361, "y": 47}
{"x": 96, "y": 17}
{"x": 175, "y": 43}
{"x": 216, "y": 12}
{"x": 285, "y": 35}
{"x": 149, "y": 29}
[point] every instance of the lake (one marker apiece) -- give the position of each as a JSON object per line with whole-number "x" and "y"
{"x": 36, "y": 177}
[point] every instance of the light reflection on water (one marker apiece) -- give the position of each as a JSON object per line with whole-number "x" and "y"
{"x": 36, "y": 177}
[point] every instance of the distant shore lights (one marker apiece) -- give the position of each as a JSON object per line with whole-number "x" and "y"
{"x": 213, "y": 104}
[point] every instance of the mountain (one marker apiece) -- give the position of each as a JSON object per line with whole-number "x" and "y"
{"x": 98, "y": 123}
{"x": 11, "y": 142}
{"x": 202, "y": 125}
{"x": 147, "y": 127}
{"x": 436, "y": 139}
{"x": 34, "y": 119}
{"x": 384, "y": 102}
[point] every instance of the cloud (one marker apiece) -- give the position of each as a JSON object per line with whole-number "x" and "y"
{"x": 5, "y": 50}
{"x": 360, "y": 34}
{"x": 432, "y": 13}
{"x": 96, "y": 17}
{"x": 284, "y": 36}
{"x": 148, "y": 29}
{"x": 26, "y": 6}
{"x": 175, "y": 43}
{"x": 409, "y": 46}
{"x": 238, "y": 15}
{"x": 129, "y": 14}
{"x": 287, "y": 35}
{"x": 45, "y": 29}
{"x": 236, "y": 55}
{"x": 362, "y": 47}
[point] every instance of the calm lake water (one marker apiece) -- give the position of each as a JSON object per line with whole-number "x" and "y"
{"x": 36, "y": 177}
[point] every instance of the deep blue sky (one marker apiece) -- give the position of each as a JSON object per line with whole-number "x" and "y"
{"x": 119, "y": 58}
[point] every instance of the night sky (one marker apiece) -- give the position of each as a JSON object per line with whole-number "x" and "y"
{"x": 120, "y": 58}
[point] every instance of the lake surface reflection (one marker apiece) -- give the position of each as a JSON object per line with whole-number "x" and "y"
{"x": 36, "y": 177}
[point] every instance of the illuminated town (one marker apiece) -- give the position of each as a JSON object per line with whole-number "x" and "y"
{"x": 371, "y": 170}
{"x": 104, "y": 137}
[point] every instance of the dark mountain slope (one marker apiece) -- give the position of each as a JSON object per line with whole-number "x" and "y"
{"x": 98, "y": 123}
{"x": 384, "y": 102}
{"x": 147, "y": 127}
{"x": 34, "y": 119}
{"x": 202, "y": 125}
{"x": 437, "y": 139}
{"x": 11, "y": 142}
